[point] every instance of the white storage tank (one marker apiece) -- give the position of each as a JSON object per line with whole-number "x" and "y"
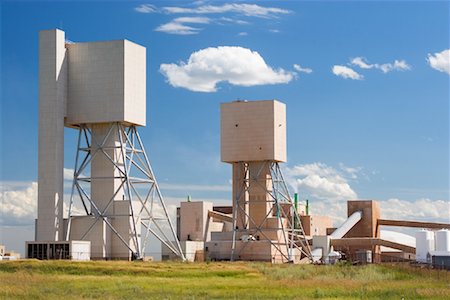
{"x": 443, "y": 240}
{"x": 424, "y": 244}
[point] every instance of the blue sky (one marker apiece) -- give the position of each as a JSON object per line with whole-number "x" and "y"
{"x": 375, "y": 128}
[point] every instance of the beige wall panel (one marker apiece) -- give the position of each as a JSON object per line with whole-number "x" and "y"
{"x": 106, "y": 83}
{"x": 260, "y": 183}
{"x": 135, "y": 83}
{"x": 123, "y": 223}
{"x": 253, "y": 131}
{"x": 99, "y": 236}
{"x": 240, "y": 195}
{"x": 193, "y": 218}
{"x": 52, "y": 95}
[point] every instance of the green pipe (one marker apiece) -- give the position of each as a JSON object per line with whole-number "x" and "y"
{"x": 307, "y": 207}
{"x": 296, "y": 221}
{"x": 296, "y": 201}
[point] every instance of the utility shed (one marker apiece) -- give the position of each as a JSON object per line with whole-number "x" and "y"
{"x": 73, "y": 250}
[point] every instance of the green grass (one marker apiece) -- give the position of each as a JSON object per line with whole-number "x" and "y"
{"x": 31, "y": 279}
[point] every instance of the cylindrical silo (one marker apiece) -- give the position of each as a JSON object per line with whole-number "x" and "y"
{"x": 443, "y": 240}
{"x": 424, "y": 244}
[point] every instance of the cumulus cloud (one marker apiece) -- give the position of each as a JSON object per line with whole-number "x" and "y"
{"x": 18, "y": 207}
{"x": 440, "y": 61}
{"x": 426, "y": 210}
{"x": 328, "y": 189}
{"x": 146, "y": 8}
{"x": 320, "y": 181}
{"x": 421, "y": 210}
{"x": 250, "y": 10}
{"x": 242, "y": 33}
{"x": 177, "y": 25}
{"x": 398, "y": 65}
{"x": 235, "y": 65}
{"x": 346, "y": 72}
{"x": 302, "y": 70}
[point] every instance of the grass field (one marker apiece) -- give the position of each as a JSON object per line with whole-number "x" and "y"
{"x": 30, "y": 279}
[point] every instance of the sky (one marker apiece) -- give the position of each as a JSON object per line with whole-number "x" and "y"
{"x": 366, "y": 85}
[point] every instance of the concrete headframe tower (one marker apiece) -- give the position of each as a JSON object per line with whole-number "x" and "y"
{"x": 99, "y": 89}
{"x": 265, "y": 221}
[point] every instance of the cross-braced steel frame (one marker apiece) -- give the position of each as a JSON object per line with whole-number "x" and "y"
{"x": 136, "y": 183}
{"x": 293, "y": 236}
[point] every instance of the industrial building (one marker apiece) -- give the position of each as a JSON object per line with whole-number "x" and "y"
{"x": 263, "y": 223}
{"x": 205, "y": 232}
{"x": 99, "y": 90}
{"x": 8, "y": 254}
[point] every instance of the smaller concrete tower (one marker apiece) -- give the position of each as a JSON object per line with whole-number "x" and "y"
{"x": 253, "y": 140}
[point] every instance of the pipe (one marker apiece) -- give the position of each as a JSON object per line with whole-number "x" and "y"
{"x": 296, "y": 220}
{"x": 307, "y": 207}
{"x": 318, "y": 253}
{"x": 347, "y": 225}
{"x": 296, "y": 201}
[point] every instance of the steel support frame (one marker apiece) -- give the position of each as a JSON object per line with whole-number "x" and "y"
{"x": 292, "y": 238}
{"x": 137, "y": 181}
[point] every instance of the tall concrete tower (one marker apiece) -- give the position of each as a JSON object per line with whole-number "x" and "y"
{"x": 52, "y": 108}
{"x": 99, "y": 89}
{"x": 253, "y": 141}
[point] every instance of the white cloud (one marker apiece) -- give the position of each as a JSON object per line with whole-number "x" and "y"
{"x": 346, "y": 72}
{"x": 421, "y": 210}
{"x": 18, "y": 207}
{"x": 352, "y": 172}
{"x": 242, "y": 33}
{"x": 177, "y": 25}
{"x": 440, "y": 61}
{"x": 196, "y": 20}
{"x": 146, "y": 8}
{"x": 319, "y": 181}
{"x": 328, "y": 190}
{"x": 274, "y": 30}
{"x": 68, "y": 174}
{"x": 398, "y": 65}
{"x": 250, "y": 10}
{"x": 235, "y": 21}
{"x": 401, "y": 65}
{"x": 177, "y": 28}
{"x": 361, "y": 62}
{"x": 301, "y": 69}
{"x": 235, "y": 65}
